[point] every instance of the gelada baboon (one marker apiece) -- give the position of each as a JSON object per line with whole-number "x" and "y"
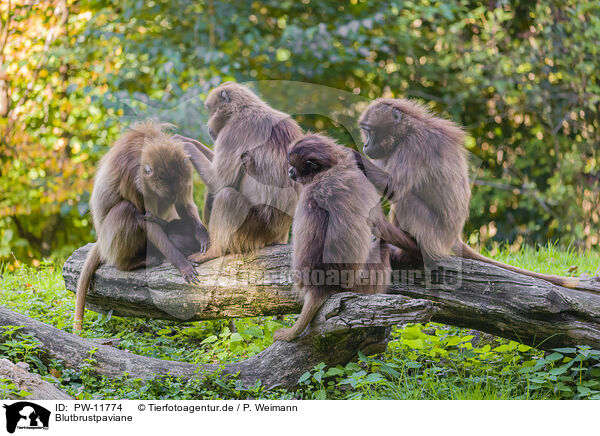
{"x": 247, "y": 212}
{"x": 145, "y": 175}
{"x": 333, "y": 249}
{"x": 421, "y": 165}
{"x": 181, "y": 234}
{"x": 209, "y": 154}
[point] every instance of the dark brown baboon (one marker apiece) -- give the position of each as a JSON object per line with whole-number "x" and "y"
{"x": 145, "y": 172}
{"x": 333, "y": 246}
{"x": 247, "y": 212}
{"x": 180, "y": 233}
{"x": 381, "y": 227}
{"x": 421, "y": 166}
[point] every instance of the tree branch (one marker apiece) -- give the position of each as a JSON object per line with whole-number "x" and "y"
{"x": 346, "y": 323}
{"x": 468, "y": 293}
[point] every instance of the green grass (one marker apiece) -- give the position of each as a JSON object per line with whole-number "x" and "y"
{"x": 430, "y": 361}
{"x": 548, "y": 259}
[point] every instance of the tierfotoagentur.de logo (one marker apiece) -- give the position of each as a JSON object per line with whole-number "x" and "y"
{"x": 26, "y": 415}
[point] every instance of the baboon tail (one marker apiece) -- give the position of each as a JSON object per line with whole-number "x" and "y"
{"x": 467, "y": 252}
{"x": 92, "y": 262}
{"x": 312, "y": 304}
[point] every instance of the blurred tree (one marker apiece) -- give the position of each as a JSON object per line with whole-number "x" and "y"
{"x": 520, "y": 76}
{"x": 48, "y": 128}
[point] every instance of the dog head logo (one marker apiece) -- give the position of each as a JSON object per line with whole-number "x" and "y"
{"x": 24, "y": 414}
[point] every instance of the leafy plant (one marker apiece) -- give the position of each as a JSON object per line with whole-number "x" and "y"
{"x": 20, "y": 347}
{"x": 431, "y": 361}
{"x": 572, "y": 373}
{"x": 9, "y": 389}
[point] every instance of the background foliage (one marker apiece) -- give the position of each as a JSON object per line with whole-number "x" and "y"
{"x": 521, "y": 76}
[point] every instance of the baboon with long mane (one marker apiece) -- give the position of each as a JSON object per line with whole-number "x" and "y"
{"x": 420, "y": 164}
{"x": 246, "y": 212}
{"x": 145, "y": 174}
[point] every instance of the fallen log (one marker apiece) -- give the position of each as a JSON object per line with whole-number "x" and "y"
{"x": 345, "y": 324}
{"x": 468, "y": 293}
{"x": 27, "y": 382}
{"x": 233, "y": 287}
{"x": 514, "y": 306}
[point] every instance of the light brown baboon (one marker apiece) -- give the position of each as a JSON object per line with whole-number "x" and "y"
{"x": 209, "y": 154}
{"x": 421, "y": 166}
{"x": 332, "y": 242}
{"x": 145, "y": 174}
{"x": 247, "y": 212}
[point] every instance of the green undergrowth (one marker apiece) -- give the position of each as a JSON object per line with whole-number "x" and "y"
{"x": 431, "y": 361}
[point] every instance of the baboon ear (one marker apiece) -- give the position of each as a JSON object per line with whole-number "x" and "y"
{"x": 147, "y": 169}
{"x": 397, "y": 115}
{"x": 224, "y": 96}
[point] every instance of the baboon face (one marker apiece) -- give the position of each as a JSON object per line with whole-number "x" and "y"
{"x": 164, "y": 169}
{"x": 222, "y": 103}
{"x": 382, "y": 127}
{"x": 307, "y": 158}
{"x": 219, "y": 108}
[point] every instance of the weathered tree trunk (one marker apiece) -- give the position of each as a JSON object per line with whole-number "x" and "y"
{"x": 24, "y": 380}
{"x": 346, "y": 323}
{"x": 233, "y": 287}
{"x": 510, "y": 305}
{"x": 468, "y": 293}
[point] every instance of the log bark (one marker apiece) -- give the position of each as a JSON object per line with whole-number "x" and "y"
{"x": 468, "y": 294}
{"x": 484, "y": 297}
{"x": 233, "y": 287}
{"x": 346, "y": 323}
{"x": 37, "y": 388}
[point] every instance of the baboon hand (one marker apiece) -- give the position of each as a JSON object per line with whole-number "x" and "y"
{"x": 359, "y": 161}
{"x": 202, "y": 237}
{"x": 284, "y": 334}
{"x": 199, "y": 257}
{"x": 186, "y": 139}
{"x": 151, "y": 218}
{"x": 190, "y": 149}
{"x": 188, "y": 271}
